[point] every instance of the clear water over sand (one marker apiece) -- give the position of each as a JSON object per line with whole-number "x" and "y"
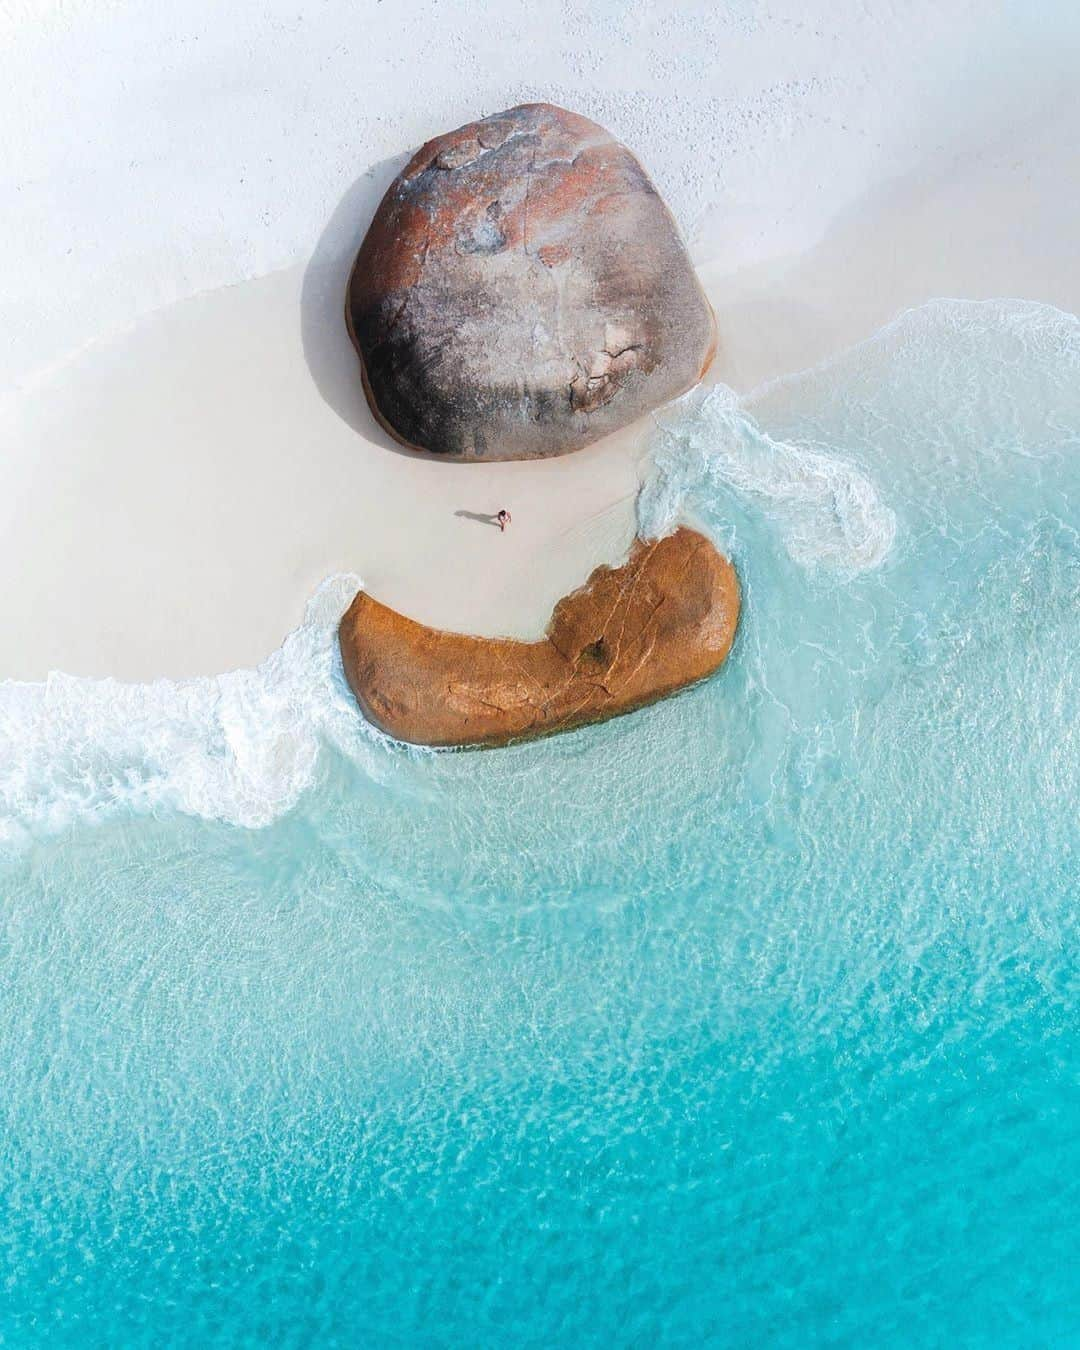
{"x": 750, "y": 1018}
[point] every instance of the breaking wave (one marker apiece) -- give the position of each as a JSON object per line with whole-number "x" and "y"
{"x": 239, "y": 747}
{"x": 827, "y": 511}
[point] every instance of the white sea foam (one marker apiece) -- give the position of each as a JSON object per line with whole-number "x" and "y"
{"x": 829, "y": 513}
{"x": 944, "y": 406}
{"x": 239, "y": 747}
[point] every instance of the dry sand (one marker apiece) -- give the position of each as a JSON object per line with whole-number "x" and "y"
{"x": 997, "y": 221}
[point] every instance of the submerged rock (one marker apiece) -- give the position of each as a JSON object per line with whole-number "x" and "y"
{"x": 632, "y": 634}
{"x": 523, "y": 290}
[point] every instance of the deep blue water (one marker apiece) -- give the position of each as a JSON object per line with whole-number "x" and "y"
{"x": 752, "y": 1019}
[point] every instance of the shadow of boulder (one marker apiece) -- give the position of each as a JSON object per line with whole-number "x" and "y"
{"x": 328, "y": 351}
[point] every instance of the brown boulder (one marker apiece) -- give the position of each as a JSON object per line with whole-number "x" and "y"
{"x": 630, "y": 635}
{"x": 523, "y": 290}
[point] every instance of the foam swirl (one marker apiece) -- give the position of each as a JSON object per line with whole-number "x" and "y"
{"x": 828, "y": 512}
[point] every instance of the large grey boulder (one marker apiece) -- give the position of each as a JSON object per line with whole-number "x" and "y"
{"x": 522, "y": 291}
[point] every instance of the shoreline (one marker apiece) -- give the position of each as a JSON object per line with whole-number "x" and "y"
{"x": 993, "y": 222}
{"x": 179, "y": 491}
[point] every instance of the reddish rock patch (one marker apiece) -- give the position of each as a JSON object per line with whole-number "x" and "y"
{"x": 523, "y": 290}
{"x": 632, "y": 634}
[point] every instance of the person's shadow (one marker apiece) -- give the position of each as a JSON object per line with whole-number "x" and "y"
{"x": 481, "y": 517}
{"x": 328, "y": 350}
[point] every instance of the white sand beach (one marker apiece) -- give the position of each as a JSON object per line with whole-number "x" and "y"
{"x": 178, "y": 477}
{"x": 181, "y": 490}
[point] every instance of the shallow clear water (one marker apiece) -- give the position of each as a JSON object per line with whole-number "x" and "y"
{"x": 751, "y": 1018}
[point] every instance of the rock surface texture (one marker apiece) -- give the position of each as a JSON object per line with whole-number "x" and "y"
{"x": 630, "y": 635}
{"x": 523, "y": 290}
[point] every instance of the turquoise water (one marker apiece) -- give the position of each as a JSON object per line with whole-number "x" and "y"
{"x": 751, "y": 1019}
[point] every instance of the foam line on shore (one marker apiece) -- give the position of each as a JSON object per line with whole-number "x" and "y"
{"x": 240, "y": 747}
